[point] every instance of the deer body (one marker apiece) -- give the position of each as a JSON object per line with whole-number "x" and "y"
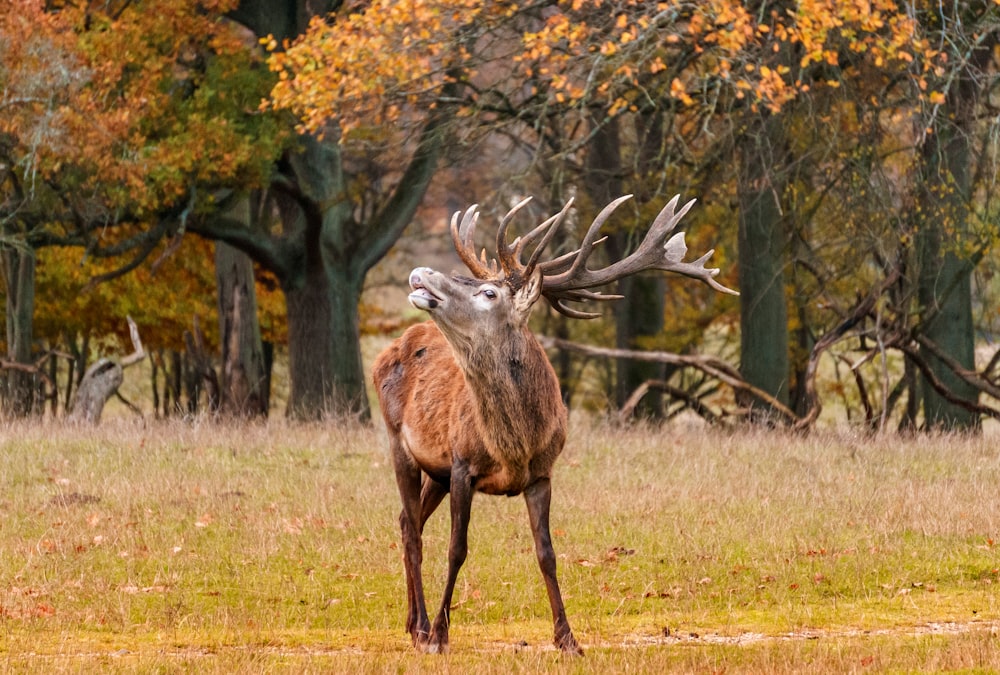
{"x": 471, "y": 402}
{"x": 505, "y": 437}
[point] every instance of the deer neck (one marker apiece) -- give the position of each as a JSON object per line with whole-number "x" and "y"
{"x": 515, "y": 394}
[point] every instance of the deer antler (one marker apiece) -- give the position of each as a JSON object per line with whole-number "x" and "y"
{"x": 567, "y": 277}
{"x": 462, "y": 235}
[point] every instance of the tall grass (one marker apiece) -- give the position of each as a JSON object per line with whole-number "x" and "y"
{"x": 270, "y": 547}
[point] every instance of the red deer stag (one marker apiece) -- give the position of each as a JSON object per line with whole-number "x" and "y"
{"x": 470, "y": 400}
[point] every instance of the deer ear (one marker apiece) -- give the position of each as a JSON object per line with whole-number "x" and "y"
{"x": 530, "y": 291}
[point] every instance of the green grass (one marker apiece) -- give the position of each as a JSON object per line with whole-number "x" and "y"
{"x": 275, "y": 548}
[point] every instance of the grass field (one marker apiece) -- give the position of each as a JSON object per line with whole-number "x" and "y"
{"x": 270, "y": 548}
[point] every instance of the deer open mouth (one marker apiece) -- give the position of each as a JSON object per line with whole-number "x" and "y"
{"x": 422, "y": 297}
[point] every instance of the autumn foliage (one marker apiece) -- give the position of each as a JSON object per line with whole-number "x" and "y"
{"x": 573, "y": 53}
{"x": 124, "y": 107}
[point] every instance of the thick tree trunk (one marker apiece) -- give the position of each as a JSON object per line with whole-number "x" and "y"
{"x": 945, "y": 294}
{"x": 243, "y": 379}
{"x": 326, "y": 372}
{"x": 639, "y": 315}
{"x": 945, "y": 280}
{"x": 19, "y": 387}
{"x": 764, "y": 359}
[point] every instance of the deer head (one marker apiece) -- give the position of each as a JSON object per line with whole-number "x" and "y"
{"x": 464, "y": 308}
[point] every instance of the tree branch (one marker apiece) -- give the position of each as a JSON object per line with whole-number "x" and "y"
{"x": 709, "y": 365}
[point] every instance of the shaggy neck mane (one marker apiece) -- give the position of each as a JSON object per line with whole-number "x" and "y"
{"x": 513, "y": 389}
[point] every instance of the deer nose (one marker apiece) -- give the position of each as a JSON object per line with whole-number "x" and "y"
{"x": 416, "y": 275}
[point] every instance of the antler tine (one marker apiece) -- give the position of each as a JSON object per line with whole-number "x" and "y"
{"x": 552, "y": 225}
{"x": 674, "y": 251}
{"x": 586, "y": 248}
{"x": 526, "y": 240}
{"x": 508, "y": 253}
{"x": 461, "y": 237}
{"x": 563, "y": 262}
{"x": 581, "y": 296}
{"x": 666, "y": 220}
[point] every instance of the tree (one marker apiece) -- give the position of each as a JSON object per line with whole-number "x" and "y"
{"x": 945, "y": 240}
{"x": 334, "y": 221}
{"x": 122, "y": 122}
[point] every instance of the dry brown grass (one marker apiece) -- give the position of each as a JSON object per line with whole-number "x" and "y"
{"x": 273, "y": 547}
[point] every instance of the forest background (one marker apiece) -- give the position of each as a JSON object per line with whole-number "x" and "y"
{"x": 262, "y": 162}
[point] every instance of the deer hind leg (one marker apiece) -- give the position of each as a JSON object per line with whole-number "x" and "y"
{"x": 538, "y": 496}
{"x": 411, "y": 520}
{"x": 458, "y": 547}
{"x": 432, "y": 493}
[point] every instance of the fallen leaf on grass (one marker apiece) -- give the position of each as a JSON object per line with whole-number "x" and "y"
{"x": 615, "y": 551}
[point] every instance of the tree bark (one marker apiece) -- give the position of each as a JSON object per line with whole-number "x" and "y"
{"x": 19, "y": 273}
{"x": 99, "y": 384}
{"x": 761, "y": 241}
{"x": 243, "y": 379}
{"x": 327, "y": 376}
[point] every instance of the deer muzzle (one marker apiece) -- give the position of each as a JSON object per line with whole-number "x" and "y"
{"x": 422, "y": 297}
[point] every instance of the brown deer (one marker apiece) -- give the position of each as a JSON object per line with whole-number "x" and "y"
{"x": 470, "y": 400}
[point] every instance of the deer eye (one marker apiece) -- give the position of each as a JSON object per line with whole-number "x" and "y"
{"x": 489, "y": 293}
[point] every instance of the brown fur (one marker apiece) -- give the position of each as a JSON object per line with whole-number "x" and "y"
{"x": 471, "y": 404}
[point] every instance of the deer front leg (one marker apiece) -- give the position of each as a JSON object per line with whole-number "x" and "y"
{"x": 411, "y": 524}
{"x": 538, "y": 496}
{"x": 458, "y": 547}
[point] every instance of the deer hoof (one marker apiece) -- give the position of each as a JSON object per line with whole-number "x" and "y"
{"x": 569, "y": 645}
{"x": 434, "y": 648}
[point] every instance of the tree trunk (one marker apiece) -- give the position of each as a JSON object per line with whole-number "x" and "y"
{"x": 764, "y": 360}
{"x": 99, "y": 384}
{"x": 243, "y": 375}
{"x": 945, "y": 275}
{"x": 19, "y": 272}
{"x": 640, "y": 312}
{"x": 946, "y": 292}
{"x": 175, "y": 379}
{"x": 639, "y": 315}
{"x": 325, "y": 367}
{"x": 945, "y": 297}
{"x": 102, "y": 381}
